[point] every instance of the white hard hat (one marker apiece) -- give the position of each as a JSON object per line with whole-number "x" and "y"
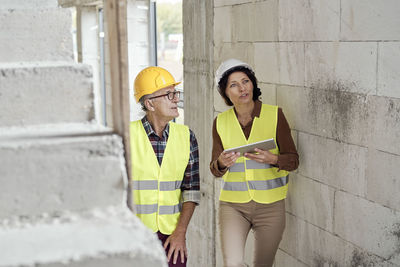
{"x": 227, "y": 65}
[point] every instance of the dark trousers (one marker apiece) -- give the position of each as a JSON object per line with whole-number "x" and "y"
{"x": 163, "y": 238}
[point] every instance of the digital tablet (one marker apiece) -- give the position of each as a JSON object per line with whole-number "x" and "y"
{"x": 263, "y": 145}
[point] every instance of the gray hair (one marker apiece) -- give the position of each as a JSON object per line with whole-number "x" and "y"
{"x": 141, "y": 102}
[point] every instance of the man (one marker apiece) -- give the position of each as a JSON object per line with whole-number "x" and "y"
{"x": 165, "y": 163}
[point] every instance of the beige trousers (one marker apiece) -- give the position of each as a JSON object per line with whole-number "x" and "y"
{"x": 267, "y": 222}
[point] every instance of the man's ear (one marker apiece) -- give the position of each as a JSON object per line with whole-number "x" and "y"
{"x": 149, "y": 104}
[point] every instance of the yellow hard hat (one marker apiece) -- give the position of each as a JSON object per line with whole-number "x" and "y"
{"x": 152, "y": 79}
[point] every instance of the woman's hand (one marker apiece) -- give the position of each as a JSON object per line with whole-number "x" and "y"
{"x": 227, "y": 159}
{"x": 263, "y": 156}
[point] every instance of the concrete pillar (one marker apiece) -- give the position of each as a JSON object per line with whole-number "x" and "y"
{"x": 199, "y": 112}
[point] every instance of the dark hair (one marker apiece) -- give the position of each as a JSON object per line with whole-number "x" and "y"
{"x": 224, "y": 80}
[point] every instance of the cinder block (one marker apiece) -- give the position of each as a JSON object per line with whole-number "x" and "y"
{"x": 268, "y": 93}
{"x": 383, "y": 181}
{"x": 52, "y": 174}
{"x": 242, "y": 23}
{"x": 222, "y": 24}
{"x": 42, "y": 35}
{"x": 281, "y": 63}
{"x": 243, "y": 51}
{"x": 112, "y": 236}
{"x": 389, "y": 69}
{"x": 346, "y": 66}
{"x": 370, "y": 20}
{"x": 334, "y": 114}
{"x": 315, "y": 247}
{"x": 48, "y": 93}
{"x": 385, "y": 118}
{"x": 333, "y": 163}
{"x": 368, "y": 225}
{"x": 312, "y": 245}
{"x": 302, "y": 196}
{"x": 305, "y": 20}
{"x": 283, "y": 259}
{"x": 354, "y": 256}
{"x": 255, "y": 21}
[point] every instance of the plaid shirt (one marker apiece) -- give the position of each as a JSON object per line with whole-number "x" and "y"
{"x": 191, "y": 181}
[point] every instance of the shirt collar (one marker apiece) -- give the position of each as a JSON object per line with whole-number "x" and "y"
{"x": 149, "y": 129}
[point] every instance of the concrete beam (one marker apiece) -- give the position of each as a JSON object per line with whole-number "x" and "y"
{"x": 43, "y": 35}
{"x": 45, "y": 93}
{"x": 100, "y": 237}
{"x": 52, "y": 174}
{"x": 33, "y": 4}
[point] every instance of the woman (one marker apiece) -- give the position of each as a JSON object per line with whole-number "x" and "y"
{"x": 255, "y": 184}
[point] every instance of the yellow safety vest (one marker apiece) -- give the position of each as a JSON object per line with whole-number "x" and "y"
{"x": 157, "y": 190}
{"x": 247, "y": 179}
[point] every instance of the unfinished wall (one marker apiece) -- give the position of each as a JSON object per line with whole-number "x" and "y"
{"x": 62, "y": 175}
{"x": 333, "y": 66}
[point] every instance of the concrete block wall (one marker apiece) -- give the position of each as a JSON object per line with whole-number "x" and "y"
{"x": 333, "y": 66}
{"x": 63, "y": 180}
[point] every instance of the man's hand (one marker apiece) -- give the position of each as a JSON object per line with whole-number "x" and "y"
{"x": 177, "y": 244}
{"x": 262, "y": 156}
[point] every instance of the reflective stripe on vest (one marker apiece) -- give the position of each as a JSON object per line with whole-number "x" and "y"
{"x": 152, "y": 208}
{"x": 157, "y": 189}
{"x": 250, "y": 164}
{"x": 256, "y": 185}
{"x": 248, "y": 179}
{"x": 153, "y": 185}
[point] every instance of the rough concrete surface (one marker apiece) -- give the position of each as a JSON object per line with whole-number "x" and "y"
{"x": 32, "y": 4}
{"x": 303, "y": 194}
{"x": 93, "y": 238}
{"x": 354, "y": 217}
{"x": 42, "y": 35}
{"x": 54, "y": 174}
{"x": 330, "y": 154}
{"x": 45, "y": 93}
{"x": 334, "y": 71}
{"x": 370, "y": 20}
{"x": 309, "y": 20}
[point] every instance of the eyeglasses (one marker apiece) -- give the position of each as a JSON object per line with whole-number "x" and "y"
{"x": 171, "y": 95}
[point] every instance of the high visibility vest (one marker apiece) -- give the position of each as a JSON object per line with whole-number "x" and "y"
{"x": 157, "y": 189}
{"x": 247, "y": 179}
